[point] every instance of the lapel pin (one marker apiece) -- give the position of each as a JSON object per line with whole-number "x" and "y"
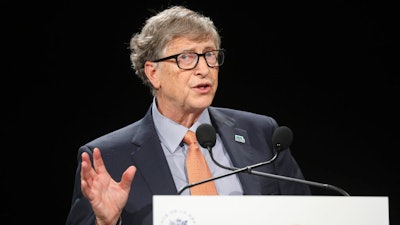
{"x": 239, "y": 138}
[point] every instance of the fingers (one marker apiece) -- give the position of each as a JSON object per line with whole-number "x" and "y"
{"x": 86, "y": 170}
{"x": 88, "y": 173}
{"x": 127, "y": 177}
{"x": 98, "y": 162}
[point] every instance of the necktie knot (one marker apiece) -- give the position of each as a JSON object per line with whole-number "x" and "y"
{"x": 190, "y": 138}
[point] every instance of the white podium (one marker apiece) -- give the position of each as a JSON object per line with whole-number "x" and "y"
{"x": 270, "y": 210}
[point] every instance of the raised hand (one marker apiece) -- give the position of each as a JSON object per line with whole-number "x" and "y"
{"x": 106, "y": 196}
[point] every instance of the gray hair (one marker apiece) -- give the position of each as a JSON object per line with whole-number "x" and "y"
{"x": 160, "y": 29}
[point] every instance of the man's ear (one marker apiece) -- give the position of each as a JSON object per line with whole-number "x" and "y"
{"x": 151, "y": 71}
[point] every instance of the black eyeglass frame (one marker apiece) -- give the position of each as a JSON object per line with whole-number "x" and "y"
{"x": 220, "y": 51}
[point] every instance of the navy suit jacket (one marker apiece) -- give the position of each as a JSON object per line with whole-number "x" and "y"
{"x": 138, "y": 144}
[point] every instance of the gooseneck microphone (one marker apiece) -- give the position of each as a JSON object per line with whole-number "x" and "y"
{"x": 206, "y": 136}
{"x": 281, "y": 139}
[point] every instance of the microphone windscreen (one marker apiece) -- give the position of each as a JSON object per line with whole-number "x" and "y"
{"x": 206, "y": 135}
{"x": 282, "y": 138}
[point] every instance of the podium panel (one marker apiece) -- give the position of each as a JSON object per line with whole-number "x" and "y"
{"x": 270, "y": 210}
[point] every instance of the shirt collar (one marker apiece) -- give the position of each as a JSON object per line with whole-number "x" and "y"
{"x": 172, "y": 133}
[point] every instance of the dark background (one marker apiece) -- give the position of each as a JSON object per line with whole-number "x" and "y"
{"x": 325, "y": 69}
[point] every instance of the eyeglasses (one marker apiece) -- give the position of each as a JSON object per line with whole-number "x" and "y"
{"x": 189, "y": 60}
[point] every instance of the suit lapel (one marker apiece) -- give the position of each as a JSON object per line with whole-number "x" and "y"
{"x": 237, "y": 144}
{"x": 150, "y": 159}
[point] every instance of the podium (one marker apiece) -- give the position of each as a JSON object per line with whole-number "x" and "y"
{"x": 270, "y": 210}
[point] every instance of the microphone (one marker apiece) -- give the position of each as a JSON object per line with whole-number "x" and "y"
{"x": 206, "y": 137}
{"x": 281, "y": 139}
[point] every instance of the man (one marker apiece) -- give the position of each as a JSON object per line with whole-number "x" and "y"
{"x": 177, "y": 55}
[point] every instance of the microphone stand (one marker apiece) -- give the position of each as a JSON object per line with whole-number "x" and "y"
{"x": 281, "y": 139}
{"x": 249, "y": 169}
{"x": 311, "y": 183}
{"x": 234, "y": 170}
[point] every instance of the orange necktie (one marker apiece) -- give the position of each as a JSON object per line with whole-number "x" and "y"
{"x": 197, "y": 167}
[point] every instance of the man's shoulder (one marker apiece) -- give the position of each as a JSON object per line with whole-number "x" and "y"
{"x": 236, "y": 115}
{"x": 235, "y": 112}
{"x": 119, "y": 135}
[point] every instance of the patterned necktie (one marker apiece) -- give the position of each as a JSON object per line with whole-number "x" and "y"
{"x": 197, "y": 167}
